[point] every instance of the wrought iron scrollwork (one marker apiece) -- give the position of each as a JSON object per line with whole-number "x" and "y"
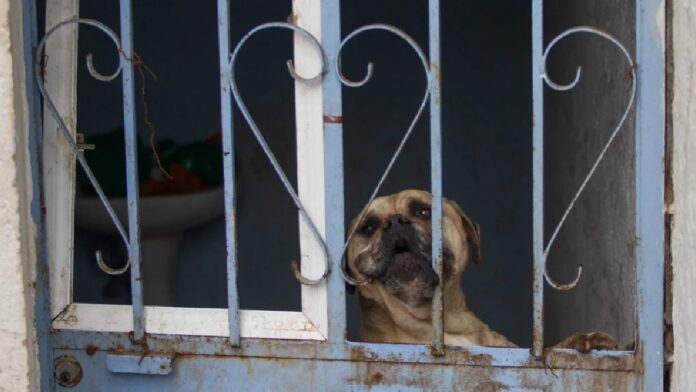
{"x": 269, "y": 154}
{"x": 38, "y": 69}
{"x": 370, "y": 67}
{"x": 615, "y": 132}
{"x": 264, "y": 145}
{"x": 315, "y": 79}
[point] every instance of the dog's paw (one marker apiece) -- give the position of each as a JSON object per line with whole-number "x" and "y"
{"x": 586, "y": 342}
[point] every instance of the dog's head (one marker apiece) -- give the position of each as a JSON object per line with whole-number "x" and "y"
{"x": 392, "y": 246}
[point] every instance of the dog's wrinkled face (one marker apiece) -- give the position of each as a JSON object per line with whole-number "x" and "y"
{"x": 392, "y": 245}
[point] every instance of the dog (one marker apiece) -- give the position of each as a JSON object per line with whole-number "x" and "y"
{"x": 391, "y": 249}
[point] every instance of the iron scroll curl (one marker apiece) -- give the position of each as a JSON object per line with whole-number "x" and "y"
{"x": 368, "y": 75}
{"x": 264, "y": 145}
{"x": 565, "y": 87}
{"x": 38, "y": 69}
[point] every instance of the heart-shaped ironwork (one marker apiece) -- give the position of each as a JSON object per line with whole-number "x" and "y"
{"x": 347, "y": 82}
{"x": 38, "y": 69}
{"x": 615, "y": 132}
{"x": 271, "y": 157}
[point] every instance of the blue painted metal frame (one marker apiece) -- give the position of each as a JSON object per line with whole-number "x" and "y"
{"x": 347, "y": 351}
{"x": 649, "y": 153}
{"x": 438, "y": 343}
{"x": 650, "y": 123}
{"x": 538, "y": 178}
{"x": 42, "y": 304}
{"x": 228, "y": 166}
{"x": 333, "y": 172}
{"x": 130, "y": 134}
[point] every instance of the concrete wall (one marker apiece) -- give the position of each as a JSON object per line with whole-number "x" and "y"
{"x": 17, "y": 262}
{"x": 683, "y": 111}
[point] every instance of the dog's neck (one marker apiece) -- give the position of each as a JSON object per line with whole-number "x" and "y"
{"x": 386, "y": 317}
{"x": 395, "y": 322}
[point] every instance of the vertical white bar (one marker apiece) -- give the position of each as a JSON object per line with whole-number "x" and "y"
{"x": 60, "y": 74}
{"x": 310, "y": 159}
{"x": 538, "y": 177}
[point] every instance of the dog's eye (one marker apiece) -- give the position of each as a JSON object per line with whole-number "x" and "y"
{"x": 367, "y": 229}
{"x": 424, "y": 212}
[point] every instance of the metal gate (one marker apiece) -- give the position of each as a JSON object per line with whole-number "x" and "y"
{"x": 138, "y": 348}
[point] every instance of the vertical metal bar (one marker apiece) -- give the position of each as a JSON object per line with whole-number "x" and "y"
{"x": 538, "y": 177}
{"x": 333, "y": 171}
{"x": 42, "y": 303}
{"x": 130, "y": 136}
{"x": 650, "y": 122}
{"x": 436, "y": 172}
{"x": 228, "y": 165}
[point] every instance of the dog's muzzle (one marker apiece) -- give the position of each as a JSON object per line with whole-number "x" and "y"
{"x": 408, "y": 273}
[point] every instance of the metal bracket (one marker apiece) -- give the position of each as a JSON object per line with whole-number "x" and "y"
{"x": 80, "y": 141}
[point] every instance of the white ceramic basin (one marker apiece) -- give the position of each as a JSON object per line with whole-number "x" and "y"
{"x": 159, "y": 215}
{"x": 163, "y": 219}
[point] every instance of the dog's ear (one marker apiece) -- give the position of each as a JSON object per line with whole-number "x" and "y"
{"x": 473, "y": 232}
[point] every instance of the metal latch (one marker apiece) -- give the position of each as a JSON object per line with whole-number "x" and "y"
{"x": 138, "y": 364}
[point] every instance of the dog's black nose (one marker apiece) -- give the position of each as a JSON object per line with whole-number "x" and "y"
{"x": 395, "y": 220}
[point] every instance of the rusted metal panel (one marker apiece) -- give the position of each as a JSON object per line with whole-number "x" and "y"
{"x": 206, "y": 373}
{"x": 120, "y": 343}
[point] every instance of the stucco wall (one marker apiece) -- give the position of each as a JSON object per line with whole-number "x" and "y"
{"x": 16, "y": 336}
{"x": 684, "y": 206}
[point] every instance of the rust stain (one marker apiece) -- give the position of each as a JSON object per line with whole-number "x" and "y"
{"x": 328, "y": 119}
{"x": 361, "y": 354}
{"x": 436, "y": 71}
{"x": 249, "y": 368}
{"x": 376, "y": 378}
{"x": 490, "y": 386}
{"x": 91, "y": 349}
{"x": 68, "y": 316}
{"x": 292, "y": 18}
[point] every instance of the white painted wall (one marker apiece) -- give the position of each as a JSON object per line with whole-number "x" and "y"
{"x": 684, "y": 206}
